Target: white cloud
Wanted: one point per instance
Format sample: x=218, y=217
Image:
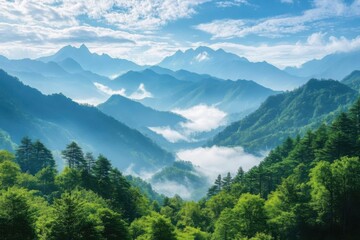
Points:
x=202, y=118
x=287, y=1
x=169, y=134
x=202, y=57
x=125, y=14
x=215, y=160
x=122, y=28
x=109, y=91
x=233, y=3
x=281, y=55
x=280, y=25
x=141, y=93
x=170, y=188
x=90, y=101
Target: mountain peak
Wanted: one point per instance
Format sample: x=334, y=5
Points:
x=83, y=46
x=204, y=49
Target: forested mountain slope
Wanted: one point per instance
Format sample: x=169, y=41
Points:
x=288, y=114
x=57, y=120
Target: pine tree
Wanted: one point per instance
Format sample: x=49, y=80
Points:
x=226, y=182
x=74, y=156
x=239, y=178
x=42, y=157
x=24, y=154
x=218, y=183
x=101, y=171
x=90, y=161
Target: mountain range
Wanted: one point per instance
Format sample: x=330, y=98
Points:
x=101, y=64
x=288, y=114
x=67, y=77
x=189, y=89
x=334, y=66
x=56, y=120
x=222, y=64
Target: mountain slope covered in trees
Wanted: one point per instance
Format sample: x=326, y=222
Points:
x=56, y=120
x=353, y=80
x=306, y=188
x=288, y=114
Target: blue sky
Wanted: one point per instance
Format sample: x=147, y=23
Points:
x=282, y=32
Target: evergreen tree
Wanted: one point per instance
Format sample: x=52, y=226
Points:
x=16, y=217
x=239, y=178
x=90, y=161
x=74, y=156
x=162, y=229
x=218, y=183
x=341, y=141
x=71, y=221
x=42, y=157
x=226, y=182
x=101, y=171
x=24, y=154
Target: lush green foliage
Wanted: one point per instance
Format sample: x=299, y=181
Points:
x=307, y=188
x=288, y=114
x=353, y=80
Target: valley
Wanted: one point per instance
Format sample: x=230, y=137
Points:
x=179, y=120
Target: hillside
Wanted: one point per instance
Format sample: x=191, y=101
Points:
x=57, y=120
x=288, y=114
x=353, y=80
x=136, y=115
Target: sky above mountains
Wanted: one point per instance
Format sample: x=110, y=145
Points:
x=282, y=32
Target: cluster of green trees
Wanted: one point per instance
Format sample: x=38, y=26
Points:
x=307, y=188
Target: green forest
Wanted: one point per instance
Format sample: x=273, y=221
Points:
x=306, y=188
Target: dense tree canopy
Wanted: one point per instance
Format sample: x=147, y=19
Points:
x=306, y=188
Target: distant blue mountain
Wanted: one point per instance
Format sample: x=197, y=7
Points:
x=136, y=115
x=56, y=120
x=226, y=65
x=335, y=66
x=169, y=92
x=100, y=64
x=65, y=77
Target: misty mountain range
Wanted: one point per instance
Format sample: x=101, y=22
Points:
x=149, y=100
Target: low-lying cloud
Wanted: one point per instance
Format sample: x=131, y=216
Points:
x=170, y=188
x=216, y=160
x=109, y=91
x=169, y=134
x=202, y=118
x=139, y=94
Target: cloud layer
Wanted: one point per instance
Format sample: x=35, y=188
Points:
x=216, y=160
x=200, y=118
x=281, y=25
x=139, y=94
